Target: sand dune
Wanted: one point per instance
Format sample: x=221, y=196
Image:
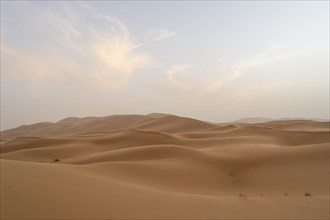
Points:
x=302, y=125
x=164, y=166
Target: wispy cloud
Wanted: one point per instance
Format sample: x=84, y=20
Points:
x=209, y=84
x=77, y=43
x=173, y=75
x=161, y=34
x=22, y=64
x=235, y=71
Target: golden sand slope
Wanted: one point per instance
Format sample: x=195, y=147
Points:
x=164, y=166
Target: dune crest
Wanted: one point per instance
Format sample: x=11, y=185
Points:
x=165, y=166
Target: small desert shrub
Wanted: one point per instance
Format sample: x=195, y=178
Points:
x=285, y=194
x=56, y=160
x=241, y=195
x=308, y=194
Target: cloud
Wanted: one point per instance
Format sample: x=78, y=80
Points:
x=175, y=72
x=71, y=41
x=117, y=59
x=21, y=64
x=161, y=34
x=173, y=75
x=235, y=71
x=209, y=85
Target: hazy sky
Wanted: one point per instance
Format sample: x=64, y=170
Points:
x=212, y=60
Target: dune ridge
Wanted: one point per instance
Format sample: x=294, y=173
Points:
x=164, y=166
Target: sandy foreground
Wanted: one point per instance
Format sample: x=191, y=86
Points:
x=161, y=166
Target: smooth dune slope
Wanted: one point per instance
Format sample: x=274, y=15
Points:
x=161, y=166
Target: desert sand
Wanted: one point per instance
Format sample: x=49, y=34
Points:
x=161, y=166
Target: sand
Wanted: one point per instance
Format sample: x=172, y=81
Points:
x=161, y=166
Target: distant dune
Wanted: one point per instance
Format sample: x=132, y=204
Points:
x=161, y=166
x=254, y=120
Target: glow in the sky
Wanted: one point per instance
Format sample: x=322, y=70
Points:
x=212, y=60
